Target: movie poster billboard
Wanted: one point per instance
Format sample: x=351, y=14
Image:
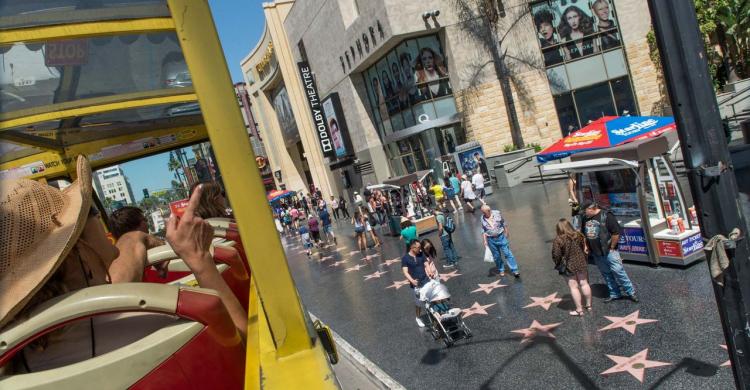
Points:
x=470, y=159
x=569, y=30
x=336, y=121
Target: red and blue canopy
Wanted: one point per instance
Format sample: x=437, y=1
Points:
x=607, y=132
x=278, y=194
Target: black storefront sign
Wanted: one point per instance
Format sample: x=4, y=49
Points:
x=319, y=119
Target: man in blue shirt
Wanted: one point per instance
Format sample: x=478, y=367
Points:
x=418, y=270
x=325, y=218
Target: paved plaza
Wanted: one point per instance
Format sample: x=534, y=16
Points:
x=523, y=335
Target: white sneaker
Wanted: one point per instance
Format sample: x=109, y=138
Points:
x=419, y=322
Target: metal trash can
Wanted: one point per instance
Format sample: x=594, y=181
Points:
x=394, y=222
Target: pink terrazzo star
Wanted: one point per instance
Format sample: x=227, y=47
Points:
x=398, y=284
x=338, y=263
x=476, y=308
x=448, y=276
x=487, y=288
x=326, y=258
x=352, y=253
x=629, y=322
x=391, y=261
x=636, y=365
x=376, y=274
x=537, y=329
x=355, y=268
x=544, y=302
x=727, y=363
x=368, y=257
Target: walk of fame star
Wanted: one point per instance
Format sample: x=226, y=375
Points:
x=629, y=322
x=398, y=284
x=487, y=288
x=338, y=263
x=448, y=276
x=355, y=268
x=352, y=253
x=544, y=302
x=728, y=362
x=376, y=274
x=326, y=258
x=636, y=365
x=537, y=329
x=392, y=261
x=476, y=308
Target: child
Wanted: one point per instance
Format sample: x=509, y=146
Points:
x=569, y=253
x=304, y=232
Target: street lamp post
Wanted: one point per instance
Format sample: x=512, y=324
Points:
x=709, y=166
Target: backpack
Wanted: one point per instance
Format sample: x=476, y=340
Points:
x=450, y=226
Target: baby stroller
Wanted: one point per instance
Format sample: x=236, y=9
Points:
x=445, y=323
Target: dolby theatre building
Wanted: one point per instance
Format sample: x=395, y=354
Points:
x=351, y=92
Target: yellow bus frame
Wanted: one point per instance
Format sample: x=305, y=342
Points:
x=282, y=350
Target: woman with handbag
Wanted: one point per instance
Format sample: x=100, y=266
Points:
x=569, y=253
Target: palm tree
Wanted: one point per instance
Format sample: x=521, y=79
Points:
x=174, y=165
x=489, y=24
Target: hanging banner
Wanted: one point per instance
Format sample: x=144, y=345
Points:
x=334, y=115
x=319, y=119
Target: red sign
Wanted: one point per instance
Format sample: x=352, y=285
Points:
x=69, y=52
x=669, y=248
x=178, y=207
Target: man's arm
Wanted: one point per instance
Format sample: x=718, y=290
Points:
x=411, y=280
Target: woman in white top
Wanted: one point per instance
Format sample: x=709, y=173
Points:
x=467, y=193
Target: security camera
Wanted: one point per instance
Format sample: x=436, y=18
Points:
x=426, y=15
x=435, y=13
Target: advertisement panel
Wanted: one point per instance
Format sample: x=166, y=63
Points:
x=319, y=119
x=633, y=240
x=692, y=244
x=669, y=248
x=336, y=121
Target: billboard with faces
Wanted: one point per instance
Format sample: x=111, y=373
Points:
x=334, y=115
x=571, y=29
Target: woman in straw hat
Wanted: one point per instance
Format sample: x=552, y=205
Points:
x=51, y=243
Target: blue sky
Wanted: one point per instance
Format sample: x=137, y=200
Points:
x=240, y=24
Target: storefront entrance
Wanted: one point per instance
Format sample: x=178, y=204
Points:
x=424, y=150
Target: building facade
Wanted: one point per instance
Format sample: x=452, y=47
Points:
x=111, y=183
x=412, y=83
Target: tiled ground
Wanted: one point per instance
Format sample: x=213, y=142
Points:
x=671, y=339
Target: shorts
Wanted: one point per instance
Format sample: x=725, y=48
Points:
x=451, y=197
x=315, y=235
x=467, y=200
x=327, y=229
x=480, y=193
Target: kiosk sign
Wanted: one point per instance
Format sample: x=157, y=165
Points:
x=633, y=240
x=692, y=244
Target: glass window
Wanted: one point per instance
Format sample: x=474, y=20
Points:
x=558, y=79
x=624, y=99
x=60, y=71
x=445, y=107
x=424, y=112
x=594, y=102
x=38, y=13
x=615, y=62
x=587, y=71
x=566, y=113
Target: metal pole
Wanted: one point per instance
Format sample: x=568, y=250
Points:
x=712, y=182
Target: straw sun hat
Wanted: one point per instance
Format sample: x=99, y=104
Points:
x=39, y=225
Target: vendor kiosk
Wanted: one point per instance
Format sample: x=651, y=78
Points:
x=410, y=207
x=636, y=180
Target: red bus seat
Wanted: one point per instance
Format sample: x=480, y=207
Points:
x=200, y=349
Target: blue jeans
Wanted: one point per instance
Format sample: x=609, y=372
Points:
x=614, y=274
x=448, y=249
x=499, y=245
